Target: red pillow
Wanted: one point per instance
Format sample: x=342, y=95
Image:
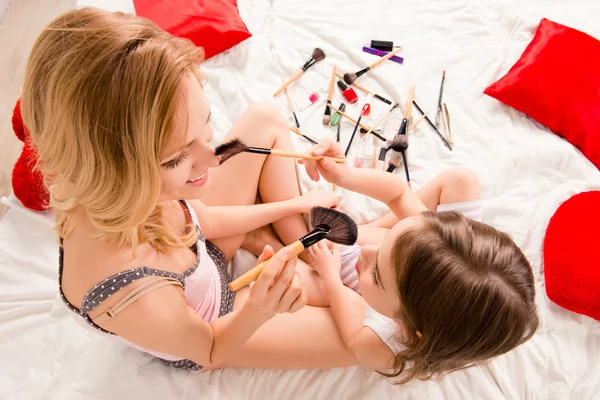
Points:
x=557, y=82
x=572, y=255
x=214, y=25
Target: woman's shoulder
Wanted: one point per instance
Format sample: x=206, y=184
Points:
x=88, y=260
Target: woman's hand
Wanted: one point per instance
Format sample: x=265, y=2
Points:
x=318, y=198
x=278, y=289
x=327, y=168
x=326, y=262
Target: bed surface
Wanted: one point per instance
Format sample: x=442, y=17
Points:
x=526, y=173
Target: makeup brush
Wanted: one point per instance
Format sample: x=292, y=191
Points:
x=443, y=139
x=291, y=105
x=367, y=91
x=385, y=116
x=337, y=140
x=439, y=105
x=337, y=110
x=236, y=146
x=327, y=116
x=362, y=113
x=297, y=132
x=403, y=130
x=328, y=224
x=413, y=126
x=317, y=55
x=349, y=78
x=447, y=125
x=395, y=163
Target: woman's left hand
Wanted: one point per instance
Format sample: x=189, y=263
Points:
x=318, y=198
x=326, y=262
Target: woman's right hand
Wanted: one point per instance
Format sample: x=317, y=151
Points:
x=327, y=168
x=278, y=289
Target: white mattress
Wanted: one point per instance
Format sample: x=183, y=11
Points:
x=526, y=172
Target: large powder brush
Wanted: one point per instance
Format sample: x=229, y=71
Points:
x=327, y=224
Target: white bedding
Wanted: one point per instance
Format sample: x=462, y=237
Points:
x=525, y=171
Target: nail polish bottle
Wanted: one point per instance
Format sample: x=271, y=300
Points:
x=380, y=165
x=348, y=93
x=336, y=117
x=312, y=99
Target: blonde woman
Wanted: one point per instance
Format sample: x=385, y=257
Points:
x=116, y=109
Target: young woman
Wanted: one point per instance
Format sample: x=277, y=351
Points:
x=116, y=109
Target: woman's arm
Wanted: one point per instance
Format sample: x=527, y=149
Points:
x=162, y=321
x=225, y=221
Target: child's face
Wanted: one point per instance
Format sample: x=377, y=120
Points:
x=377, y=278
x=185, y=170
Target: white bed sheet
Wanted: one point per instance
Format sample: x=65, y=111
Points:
x=525, y=171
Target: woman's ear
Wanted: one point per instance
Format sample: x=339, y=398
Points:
x=419, y=334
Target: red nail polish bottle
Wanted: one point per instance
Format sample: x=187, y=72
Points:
x=348, y=93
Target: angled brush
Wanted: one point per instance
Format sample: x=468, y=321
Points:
x=234, y=147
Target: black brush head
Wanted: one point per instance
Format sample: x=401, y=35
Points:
x=400, y=143
x=318, y=54
x=229, y=149
x=350, y=77
x=343, y=228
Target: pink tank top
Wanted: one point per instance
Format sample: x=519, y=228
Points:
x=203, y=284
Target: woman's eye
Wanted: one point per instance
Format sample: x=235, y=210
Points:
x=374, y=276
x=176, y=162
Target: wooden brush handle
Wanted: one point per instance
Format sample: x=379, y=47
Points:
x=332, y=84
x=306, y=156
x=366, y=128
x=296, y=75
x=413, y=126
x=409, y=101
x=289, y=99
x=295, y=248
x=384, y=58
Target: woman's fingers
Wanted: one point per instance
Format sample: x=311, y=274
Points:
x=271, y=270
x=266, y=254
x=283, y=281
x=293, y=296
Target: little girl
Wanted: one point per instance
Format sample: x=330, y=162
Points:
x=443, y=291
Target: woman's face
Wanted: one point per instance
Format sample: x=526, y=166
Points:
x=185, y=171
x=377, y=276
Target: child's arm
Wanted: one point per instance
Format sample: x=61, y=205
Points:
x=225, y=221
x=348, y=309
x=383, y=186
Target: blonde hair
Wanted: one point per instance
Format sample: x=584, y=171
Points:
x=101, y=98
x=467, y=294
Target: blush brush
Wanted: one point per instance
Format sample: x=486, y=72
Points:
x=328, y=224
x=349, y=78
x=317, y=55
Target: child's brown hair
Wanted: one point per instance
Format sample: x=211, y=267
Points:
x=467, y=294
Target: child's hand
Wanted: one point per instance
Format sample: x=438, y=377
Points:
x=326, y=262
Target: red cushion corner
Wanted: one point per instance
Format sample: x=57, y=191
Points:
x=214, y=25
x=556, y=82
x=572, y=255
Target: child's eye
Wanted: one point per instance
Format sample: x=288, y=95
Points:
x=176, y=162
x=374, y=276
